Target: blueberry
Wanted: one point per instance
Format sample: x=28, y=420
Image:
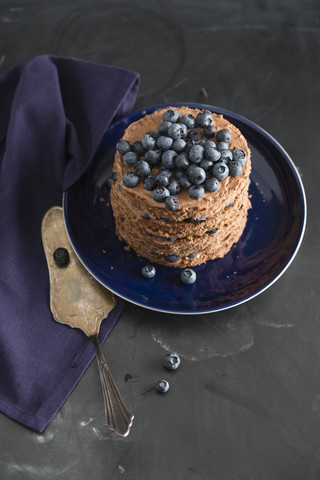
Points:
x=176, y=131
x=130, y=179
x=189, y=144
x=61, y=256
x=149, y=183
x=184, y=181
x=138, y=148
x=171, y=239
x=212, y=154
x=196, y=175
x=174, y=187
x=196, y=153
x=168, y=159
x=229, y=204
x=222, y=146
x=162, y=386
x=163, y=128
x=153, y=134
x=213, y=231
x=164, y=143
x=182, y=161
x=184, y=130
x=194, y=134
x=193, y=255
x=160, y=194
x=114, y=176
x=142, y=168
x=152, y=157
x=166, y=171
x=123, y=147
x=196, y=192
x=148, y=271
x=235, y=168
x=206, y=164
x=209, y=131
x=170, y=116
x=225, y=155
x=212, y=184
x=179, y=173
x=240, y=155
x=179, y=145
x=130, y=159
x=188, y=120
x=220, y=170
x=171, y=258
x=171, y=361
x=188, y=276
x=172, y=203
x=223, y=136
x=148, y=142
x=204, y=119
x=162, y=180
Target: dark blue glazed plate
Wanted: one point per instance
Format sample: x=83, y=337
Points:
x=271, y=239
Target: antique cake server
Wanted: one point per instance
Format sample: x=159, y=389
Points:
x=78, y=300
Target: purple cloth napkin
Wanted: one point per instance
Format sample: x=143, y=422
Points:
x=53, y=114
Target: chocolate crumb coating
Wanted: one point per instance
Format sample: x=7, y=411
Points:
x=200, y=230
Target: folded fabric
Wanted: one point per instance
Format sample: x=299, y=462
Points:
x=54, y=112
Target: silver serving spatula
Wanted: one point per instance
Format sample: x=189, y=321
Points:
x=78, y=300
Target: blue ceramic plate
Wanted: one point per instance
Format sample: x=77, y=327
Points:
x=272, y=237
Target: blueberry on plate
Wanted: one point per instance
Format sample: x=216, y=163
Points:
x=197, y=175
x=188, y=276
x=152, y=157
x=171, y=361
x=148, y=271
x=212, y=184
x=163, y=128
x=162, y=386
x=209, y=131
x=61, y=256
x=176, y=131
x=142, y=168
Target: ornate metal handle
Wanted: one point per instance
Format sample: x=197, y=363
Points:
x=117, y=416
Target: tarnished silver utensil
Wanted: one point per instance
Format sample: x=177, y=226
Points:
x=78, y=300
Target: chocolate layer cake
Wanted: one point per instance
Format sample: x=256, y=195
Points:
x=179, y=192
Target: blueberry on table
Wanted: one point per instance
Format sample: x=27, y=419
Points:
x=171, y=361
x=148, y=271
x=188, y=276
x=61, y=256
x=162, y=386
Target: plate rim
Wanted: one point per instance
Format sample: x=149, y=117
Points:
x=146, y=110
